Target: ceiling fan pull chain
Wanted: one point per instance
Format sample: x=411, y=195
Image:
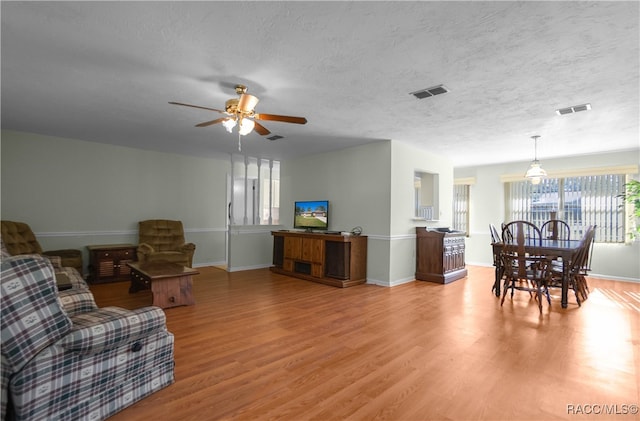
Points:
x=239, y=144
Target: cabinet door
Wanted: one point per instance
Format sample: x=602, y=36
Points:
x=338, y=260
x=124, y=257
x=292, y=248
x=106, y=268
x=312, y=250
x=106, y=264
x=278, y=251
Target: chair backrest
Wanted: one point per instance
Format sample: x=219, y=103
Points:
x=495, y=236
x=516, y=232
x=587, y=241
x=32, y=315
x=535, y=265
x=161, y=234
x=556, y=229
x=19, y=239
x=580, y=258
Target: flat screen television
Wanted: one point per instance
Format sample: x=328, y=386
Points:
x=311, y=215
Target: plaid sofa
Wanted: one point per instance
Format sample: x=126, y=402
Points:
x=63, y=358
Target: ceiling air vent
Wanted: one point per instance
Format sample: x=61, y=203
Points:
x=426, y=93
x=574, y=109
x=275, y=137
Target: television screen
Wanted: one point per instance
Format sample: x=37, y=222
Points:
x=311, y=215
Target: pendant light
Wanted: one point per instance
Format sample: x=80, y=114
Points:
x=535, y=173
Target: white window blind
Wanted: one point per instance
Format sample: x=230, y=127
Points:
x=580, y=201
x=461, y=208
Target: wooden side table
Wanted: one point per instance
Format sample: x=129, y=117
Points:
x=108, y=262
x=170, y=283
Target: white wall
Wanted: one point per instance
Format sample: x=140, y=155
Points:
x=251, y=247
x=370, y=186
x=405, y=160
x=75, y=193
x=615, y=261
x=357, y=184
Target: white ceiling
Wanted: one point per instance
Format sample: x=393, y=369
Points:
x=105, y=71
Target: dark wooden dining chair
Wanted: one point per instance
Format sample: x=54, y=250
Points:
x=495, y=236
x=531, y=273
x=587, y=267
x=556, y=229
x=579, y=266
x=517, y=232
x=582, y=267
x=502, y=232
x=520, y=268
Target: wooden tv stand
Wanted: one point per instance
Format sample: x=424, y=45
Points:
x=331, y=259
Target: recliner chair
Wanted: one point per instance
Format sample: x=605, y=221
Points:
x=19, y=239
x=63, y=358
x=163, y=240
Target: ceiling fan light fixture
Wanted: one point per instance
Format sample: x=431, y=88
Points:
x=246, y=126
x=229, y=124
x=239, y=112
x=247, y=103
x=231, y=106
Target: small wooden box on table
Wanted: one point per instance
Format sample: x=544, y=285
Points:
x=170, y=283
x=108, y=262
x=331, y=259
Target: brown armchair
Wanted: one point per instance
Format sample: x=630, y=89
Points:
x=18, y=238
x=161, y=239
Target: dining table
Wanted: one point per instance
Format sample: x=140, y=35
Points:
x=558, y=249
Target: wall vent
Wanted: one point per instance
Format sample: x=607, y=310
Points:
x=574, y=109
x=275, y=137
x=426, y=93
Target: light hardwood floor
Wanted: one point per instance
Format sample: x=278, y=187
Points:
x=260, y=346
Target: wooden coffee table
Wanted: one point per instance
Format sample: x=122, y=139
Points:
x=170, y=283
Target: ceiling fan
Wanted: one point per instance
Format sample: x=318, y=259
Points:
x=240, y=111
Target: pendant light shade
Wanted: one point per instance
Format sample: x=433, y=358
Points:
x=246, y=126
x=535, y=172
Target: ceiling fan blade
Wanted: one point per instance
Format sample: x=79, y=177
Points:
x=195, y=106
x=247, y=103
x=262, y=131
x=283, y=118
x=212, y=122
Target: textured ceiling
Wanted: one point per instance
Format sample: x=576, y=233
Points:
x=105, y=71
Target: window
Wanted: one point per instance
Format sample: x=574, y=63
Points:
x=256, y=191
x=580, y=201
x=426, y=195
x=461, y=208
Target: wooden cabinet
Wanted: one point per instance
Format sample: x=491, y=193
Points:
x=108, y=262
x=439, y=255
x=326, y=258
